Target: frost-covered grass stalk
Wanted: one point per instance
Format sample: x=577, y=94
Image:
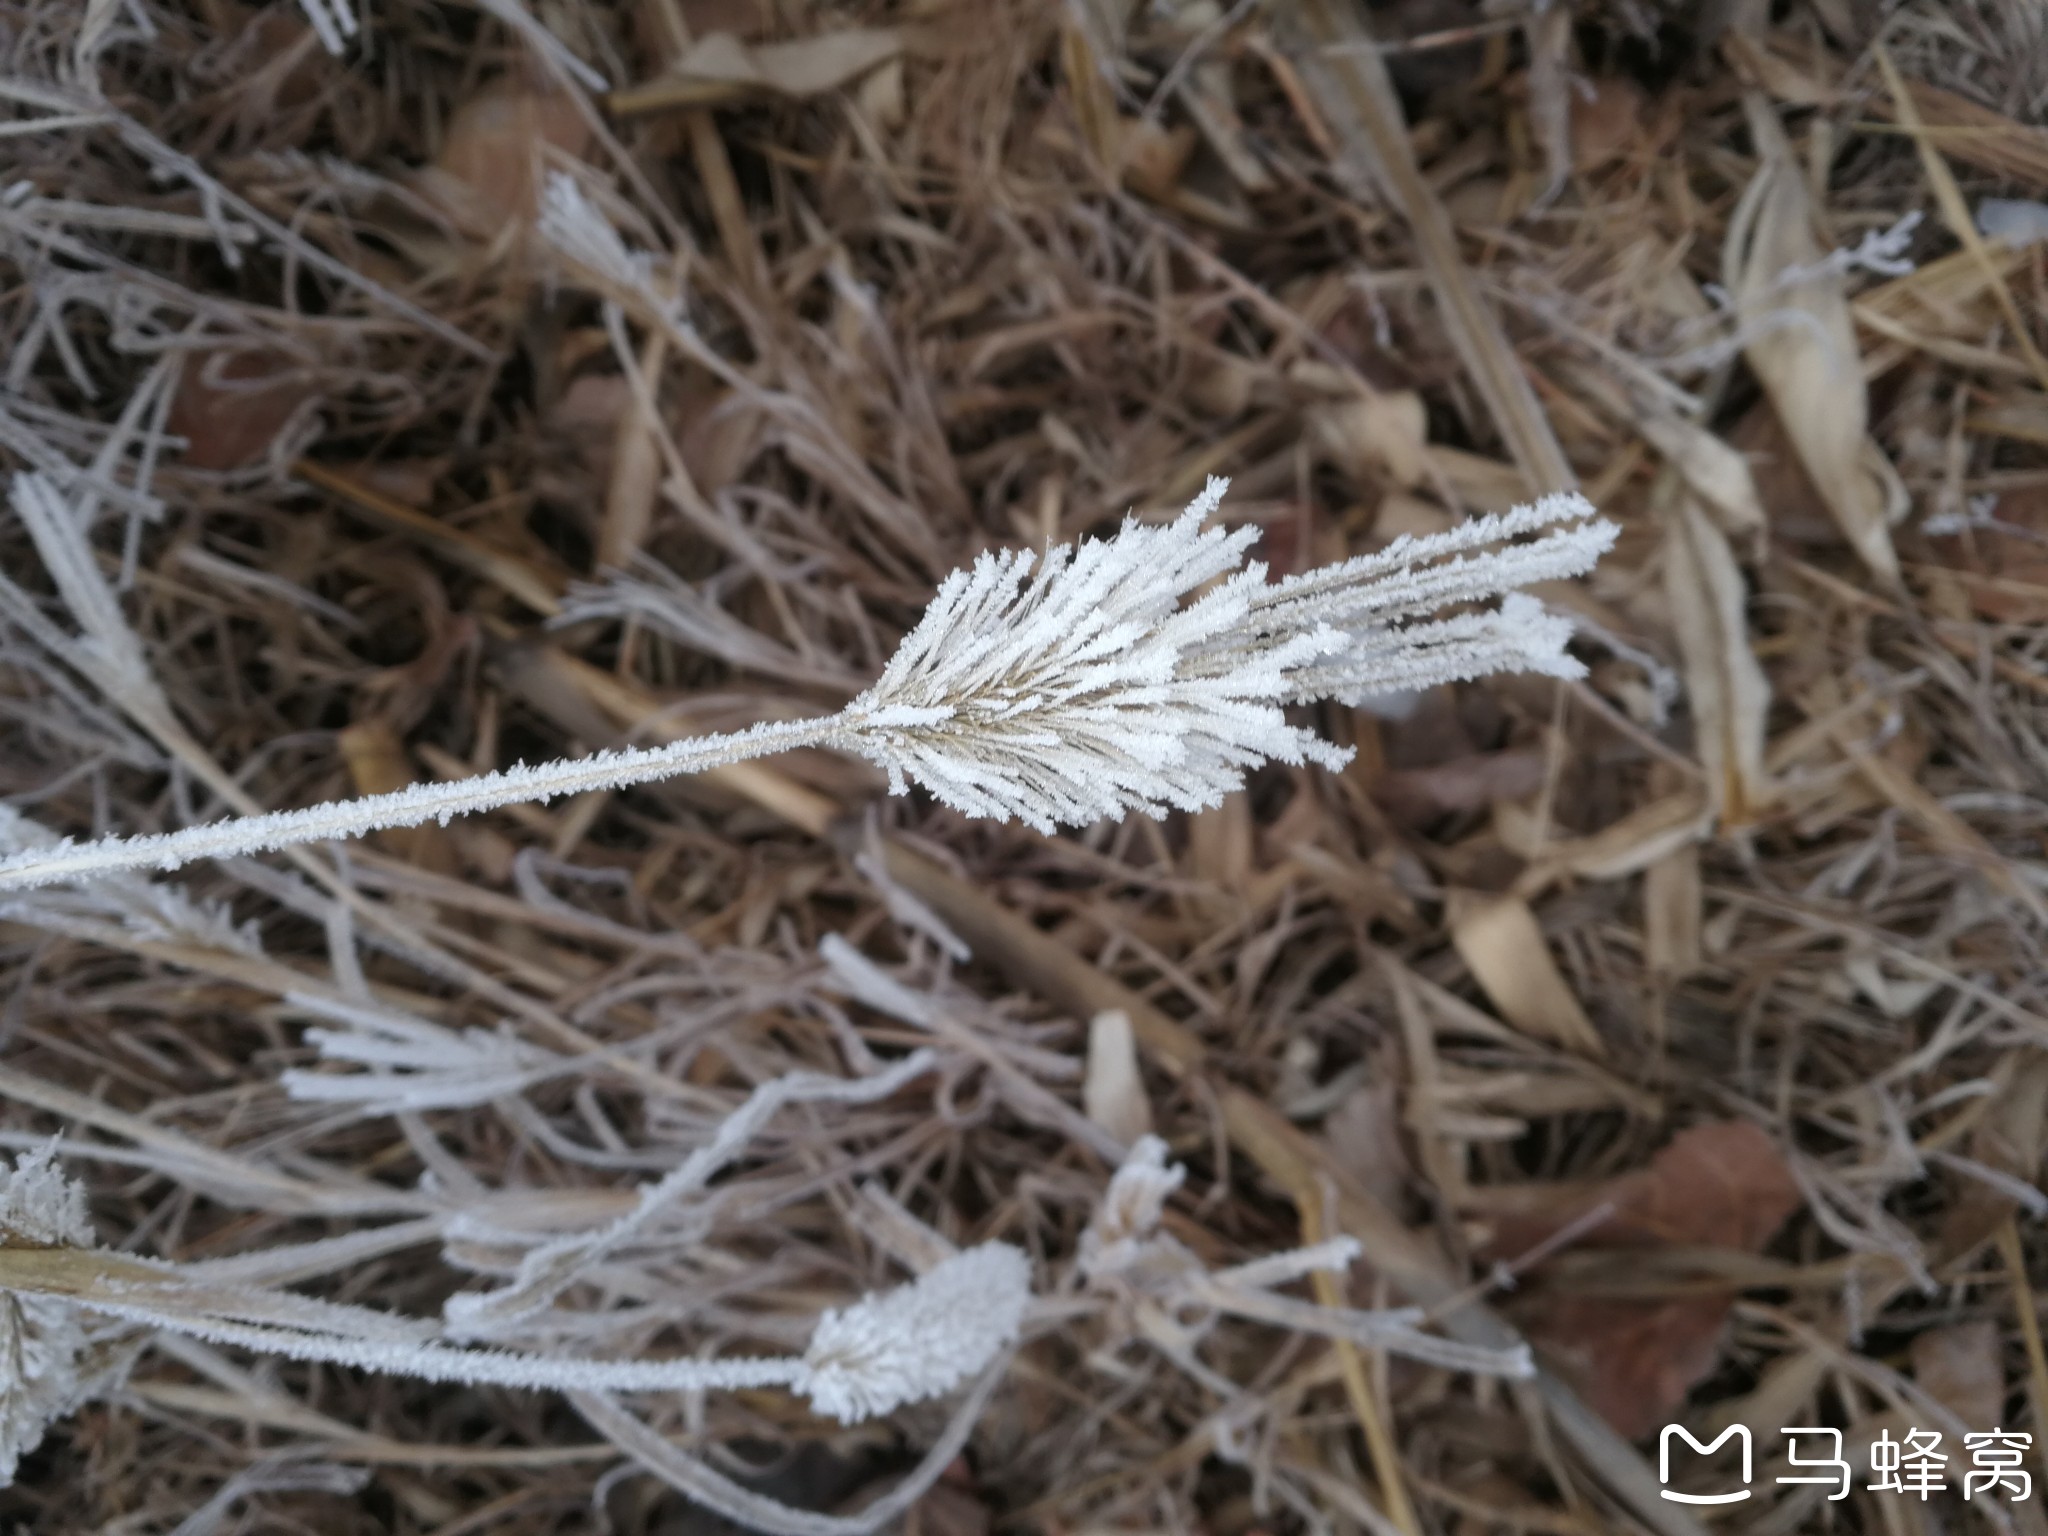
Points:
x=1142, y=672
x=63, y=1302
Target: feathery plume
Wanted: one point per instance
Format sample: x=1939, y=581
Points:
x=1066, y=696
x=1099, y=680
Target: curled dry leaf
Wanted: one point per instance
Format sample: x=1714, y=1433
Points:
x=1723, y=1184
x=231, y=406
x=488, y=173
x=1499, y=938
x=1726, y=686
x=1801, y=342
x=1384, y=434
x=1716, y=471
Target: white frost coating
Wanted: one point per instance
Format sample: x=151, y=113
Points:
x=920, y=1340
x=1384, y=603
x=898, y=1347
x=333, y=22
x=547, y=1270
x=107, y=652
x=149, y=909
x=404, y=808
x=1123, y=1252
x=1121, y=1233
x=414, y=1065
x=1087, y=689
x=47, y=1349
x=573, y=225
x=1084, y=685
x=2016, y=221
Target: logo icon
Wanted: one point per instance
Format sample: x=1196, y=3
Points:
x=1740, y=1431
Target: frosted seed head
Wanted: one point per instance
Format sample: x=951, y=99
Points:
x=1070, y=689
x=920, y=1340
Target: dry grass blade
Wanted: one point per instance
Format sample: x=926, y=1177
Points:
x=1955, y=212
x=1339, y=62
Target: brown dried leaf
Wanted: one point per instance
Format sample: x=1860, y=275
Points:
x=1801, y=343
x=1364, y=1136
x=1471, y=781
x=1632, y=1361
x=1722, y=1184
x=489, y=170
x=1386, y=434
x=231, y=406
x=2006, y=567
x=1500, y=940
x=1607, y=122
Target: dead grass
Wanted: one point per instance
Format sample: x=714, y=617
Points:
x=1688, y=1022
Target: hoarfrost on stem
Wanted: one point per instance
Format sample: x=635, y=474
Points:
x=54, y=1359
x=1142, y=672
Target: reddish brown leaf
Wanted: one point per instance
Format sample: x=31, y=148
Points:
x=230, y=406
x=1632, y=1361
x=1718, y=1185
x=1607, y=122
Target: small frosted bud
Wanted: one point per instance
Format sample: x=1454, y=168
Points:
x=920, y=1340
x=1138, y=1192
x=1121, y=1237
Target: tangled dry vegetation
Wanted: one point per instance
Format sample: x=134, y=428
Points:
x=1681, y=1021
